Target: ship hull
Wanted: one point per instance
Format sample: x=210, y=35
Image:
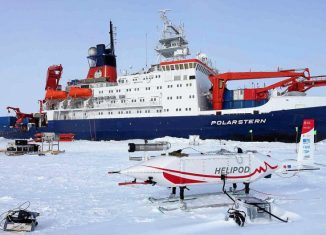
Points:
x=282, y=126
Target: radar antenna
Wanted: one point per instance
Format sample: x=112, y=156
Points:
x=166, y=21
x=173, y=44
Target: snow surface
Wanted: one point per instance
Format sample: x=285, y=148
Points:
x=75, y=195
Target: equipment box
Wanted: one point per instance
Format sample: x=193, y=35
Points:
x=257, y=208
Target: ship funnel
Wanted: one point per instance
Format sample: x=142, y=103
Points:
x=102, y=60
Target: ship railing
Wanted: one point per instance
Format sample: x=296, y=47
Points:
x=142, y=104
x=113, y=105
x=128, y=105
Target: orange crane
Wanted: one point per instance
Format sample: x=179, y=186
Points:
x=219, y=82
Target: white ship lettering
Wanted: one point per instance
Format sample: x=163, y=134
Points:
x=238, y=122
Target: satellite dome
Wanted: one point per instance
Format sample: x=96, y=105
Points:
x=92, y=51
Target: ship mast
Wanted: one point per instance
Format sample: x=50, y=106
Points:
x=111, y=38
x=173, y=44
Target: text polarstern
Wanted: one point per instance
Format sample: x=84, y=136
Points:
x=238, y=122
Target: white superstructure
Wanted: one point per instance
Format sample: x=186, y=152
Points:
x=176, y=86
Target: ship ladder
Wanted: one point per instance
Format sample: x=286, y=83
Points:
x=90, y=129
x=92, y=135
x=94, y=131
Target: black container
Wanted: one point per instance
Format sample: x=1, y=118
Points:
x=36, y=147
x=21, y=142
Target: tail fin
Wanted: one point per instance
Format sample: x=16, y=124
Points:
x=307, y=143
x=305, y=159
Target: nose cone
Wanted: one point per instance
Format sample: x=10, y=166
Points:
x=141, y=172
x=134, y=171
x=153, y=169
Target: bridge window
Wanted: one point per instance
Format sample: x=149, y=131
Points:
x=177, y=78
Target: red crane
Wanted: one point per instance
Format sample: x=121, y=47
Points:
x=53, y=77
x=219, y=82
x=315, y=81
x=20, y=116
x=52, y=84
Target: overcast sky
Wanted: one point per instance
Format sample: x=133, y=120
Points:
x=236, y=35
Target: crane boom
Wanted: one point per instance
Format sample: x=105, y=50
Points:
x=219, y=82
x=262, y=75
x=53, y=77
x=315, y=81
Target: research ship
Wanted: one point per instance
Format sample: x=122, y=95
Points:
x=178, y=97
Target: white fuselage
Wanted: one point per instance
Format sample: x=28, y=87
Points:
x=208, y=169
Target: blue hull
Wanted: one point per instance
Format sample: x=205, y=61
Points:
x=273, y=126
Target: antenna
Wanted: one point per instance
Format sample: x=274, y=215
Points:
x=146, y=50
x=163, y=15
x=166, y=21
x=173, y=44
x=111, y=38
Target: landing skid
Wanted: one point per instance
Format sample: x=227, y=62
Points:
x=184, y=204
x=170, y=200
x=191, y=197
x=185, y=207
x=183, y=199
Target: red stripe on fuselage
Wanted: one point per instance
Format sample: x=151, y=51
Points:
x=257, y=170
x=180, y=180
